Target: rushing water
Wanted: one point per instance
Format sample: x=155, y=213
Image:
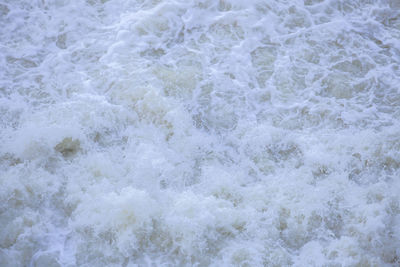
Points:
x=199, y=133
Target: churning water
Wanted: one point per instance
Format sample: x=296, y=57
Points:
x=199, y=133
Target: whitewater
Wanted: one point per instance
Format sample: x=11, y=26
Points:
x=199, y=133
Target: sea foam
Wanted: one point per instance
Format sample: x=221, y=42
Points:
x=199, y=133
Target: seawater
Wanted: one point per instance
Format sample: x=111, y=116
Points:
x=199, y=133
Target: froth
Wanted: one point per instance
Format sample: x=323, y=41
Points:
x=206, y=133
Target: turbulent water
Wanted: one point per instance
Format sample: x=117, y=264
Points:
x=199, y=133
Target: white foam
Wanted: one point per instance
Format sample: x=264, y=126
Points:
x=206, y=133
